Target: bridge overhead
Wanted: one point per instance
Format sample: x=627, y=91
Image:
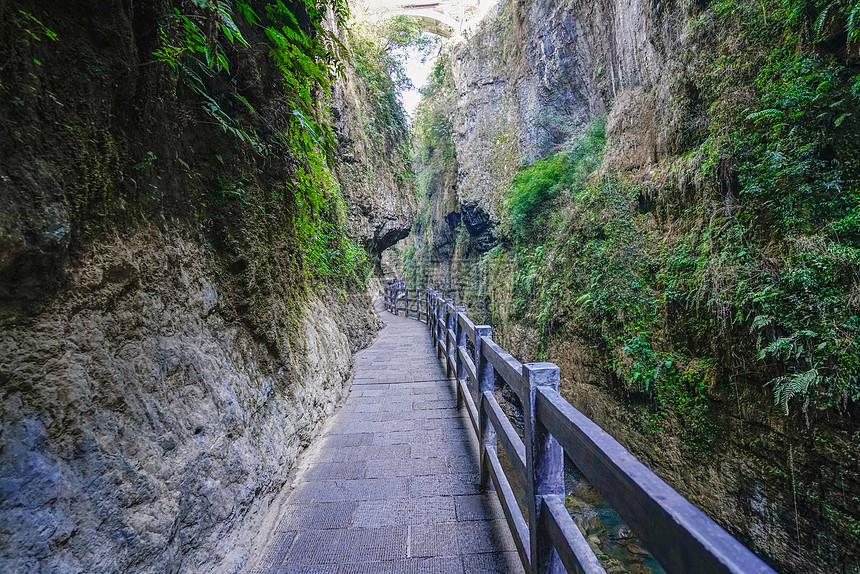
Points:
x=434, y=22
x=444, y=18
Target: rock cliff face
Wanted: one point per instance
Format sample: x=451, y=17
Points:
x=523, y=85
x=165, y=353
x=527, y=79
x=525, y=82
x=145, y=431
x=373, y=134
x=381, y=210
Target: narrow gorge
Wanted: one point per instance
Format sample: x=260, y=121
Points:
x=200, y=199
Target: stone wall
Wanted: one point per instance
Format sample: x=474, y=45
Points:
x=142, y=430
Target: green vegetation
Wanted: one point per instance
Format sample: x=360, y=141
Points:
x=794, y=240
x=198, y=48
x=435, y=163
x=543, y=181
x=196, y=58
x=756, y=278
x=146, y=162
x=323, y=243
x=379, y=55
x=585, y=263
x=201, y=48
x=432, y=129
x=34, y=28
x=379, y=59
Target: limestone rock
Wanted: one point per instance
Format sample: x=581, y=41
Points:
x=145, y=433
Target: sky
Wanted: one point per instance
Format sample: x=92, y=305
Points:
x=418, y=72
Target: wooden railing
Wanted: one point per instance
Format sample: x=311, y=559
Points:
x=397, y=300
x=679, y=535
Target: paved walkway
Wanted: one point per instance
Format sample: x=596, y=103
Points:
x=393, y=486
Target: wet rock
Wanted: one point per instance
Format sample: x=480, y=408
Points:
x=595, y=544
x=476, y=219
x=634, y=548
x=453, y=219
x=613, y=566
x=624, y=533
x=589, y=522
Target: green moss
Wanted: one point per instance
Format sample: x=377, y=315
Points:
x=794, y=151
x=542, y=182
x=758, y=277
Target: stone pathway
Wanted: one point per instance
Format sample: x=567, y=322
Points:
x=393, y=486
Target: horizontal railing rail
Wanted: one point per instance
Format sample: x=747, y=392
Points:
x=679, y=535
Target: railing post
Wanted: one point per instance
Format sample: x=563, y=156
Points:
x=405, y=301
x=444, y=333
x=431, y=299
x=544, y=468
x=460, y=334
x=449, y=326
x=438, y=324
x=486, y=382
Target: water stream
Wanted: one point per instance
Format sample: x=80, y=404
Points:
x=618, y=548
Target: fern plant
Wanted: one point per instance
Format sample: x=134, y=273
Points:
x=307, y=55
x=787, y=387
x=198, y=56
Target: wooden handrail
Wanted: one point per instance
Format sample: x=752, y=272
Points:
x=575, y=553
x=653, y=509
x=679, y=535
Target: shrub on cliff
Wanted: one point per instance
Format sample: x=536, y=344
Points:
x=565, y=171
